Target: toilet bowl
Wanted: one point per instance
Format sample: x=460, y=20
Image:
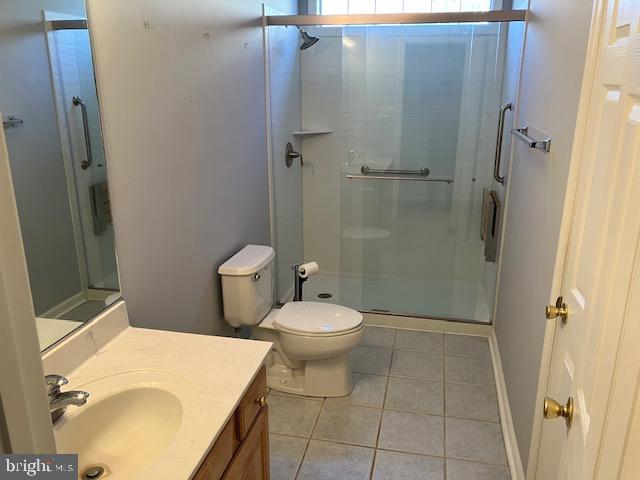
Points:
x=311, y=340
x=310, y=352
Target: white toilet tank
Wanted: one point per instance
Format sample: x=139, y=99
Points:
x=247, y=285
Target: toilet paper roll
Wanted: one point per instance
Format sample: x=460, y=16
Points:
x=307, y=269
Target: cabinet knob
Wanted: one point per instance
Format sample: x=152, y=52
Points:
x=262, y=401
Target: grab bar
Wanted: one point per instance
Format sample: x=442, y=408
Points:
x=84, y=164
x=522, y=134
x=387, y=177
x=498, y=158
x=366, y=170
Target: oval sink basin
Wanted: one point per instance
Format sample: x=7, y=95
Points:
x=129, y=420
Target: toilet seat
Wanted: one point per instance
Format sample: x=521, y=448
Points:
x=315, y=334
x=317, y=319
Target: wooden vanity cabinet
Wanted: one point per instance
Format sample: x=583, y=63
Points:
x=251, y=461
x=241, y=452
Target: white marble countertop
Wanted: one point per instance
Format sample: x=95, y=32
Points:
x=50, y=330
x=220, y=369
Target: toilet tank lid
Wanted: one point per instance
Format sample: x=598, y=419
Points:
x=248, y=260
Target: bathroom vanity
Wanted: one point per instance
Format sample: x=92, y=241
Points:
x=242, y=449
x=162, y=405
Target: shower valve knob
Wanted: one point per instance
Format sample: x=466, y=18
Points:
x=290, y=155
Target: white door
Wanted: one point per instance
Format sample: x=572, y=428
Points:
x=603, y=245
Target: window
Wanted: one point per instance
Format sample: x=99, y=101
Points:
x=342, y=7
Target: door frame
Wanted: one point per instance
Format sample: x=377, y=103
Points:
x=24, y=412
x=586, y=91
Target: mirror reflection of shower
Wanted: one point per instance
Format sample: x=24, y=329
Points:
x=307, y=40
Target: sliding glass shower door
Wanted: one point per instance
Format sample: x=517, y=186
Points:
x=400, y=132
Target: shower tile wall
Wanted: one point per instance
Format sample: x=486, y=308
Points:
x=355, y=82
x=323, y=108
x=284, y=72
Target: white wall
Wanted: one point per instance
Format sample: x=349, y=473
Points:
x=35, y=150
x=553, y=62
x=183, y=108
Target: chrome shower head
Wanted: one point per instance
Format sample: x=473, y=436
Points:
x=307, y=40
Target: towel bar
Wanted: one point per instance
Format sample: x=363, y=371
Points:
x=388, y=177
x=11, y=122
x=522, y=134
x=366, y=170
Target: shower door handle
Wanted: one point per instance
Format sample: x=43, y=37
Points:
x=498, y=158
x=84, y=164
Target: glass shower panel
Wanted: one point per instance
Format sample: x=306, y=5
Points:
x=283, y=49
x=102, y=252
x=83, y=153
x=393, y=197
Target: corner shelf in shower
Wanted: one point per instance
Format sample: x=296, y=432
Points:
x=306, y=133
x=364, y=233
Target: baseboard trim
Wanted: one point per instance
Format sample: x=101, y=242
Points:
x=426, y=324
x=64, y=306
x=508, y=431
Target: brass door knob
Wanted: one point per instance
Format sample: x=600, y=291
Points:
x=553, y=409
x=559, y=310
x=262, y=401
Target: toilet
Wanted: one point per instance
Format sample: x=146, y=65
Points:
x=311, y=340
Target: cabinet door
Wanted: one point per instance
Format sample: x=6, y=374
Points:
x=251, y=461
x=252, y=402
x=220, y=455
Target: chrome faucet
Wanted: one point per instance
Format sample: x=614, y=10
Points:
x=59, y=401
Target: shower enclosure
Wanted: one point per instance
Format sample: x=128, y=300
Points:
x=74, y=86
x=395, y=118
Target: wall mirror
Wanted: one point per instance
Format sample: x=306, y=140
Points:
x=51, y=122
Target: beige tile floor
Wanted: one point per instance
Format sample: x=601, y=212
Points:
x=424, y=407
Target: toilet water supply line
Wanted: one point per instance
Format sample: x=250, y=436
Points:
x=301, y=273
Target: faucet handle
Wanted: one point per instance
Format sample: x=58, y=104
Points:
x=53, y=384
x=62, y=401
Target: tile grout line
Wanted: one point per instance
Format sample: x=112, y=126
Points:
x=388, y=376
x=419, y=454
x=384, y=400
x=306, y=448
x=432, y=351
x=444, y=406
x=440, y=381
x=441, y=457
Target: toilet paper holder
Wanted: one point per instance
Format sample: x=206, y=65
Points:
x=302, y=271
